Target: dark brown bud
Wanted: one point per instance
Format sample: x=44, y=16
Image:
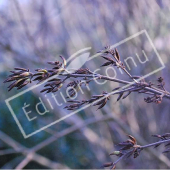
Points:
x=108, y=164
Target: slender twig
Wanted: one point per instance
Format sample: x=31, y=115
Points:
x=156, y=143
x=25, y=161
x=130, y=148
x=10, y=151
x=119, y=159
x=102, y=77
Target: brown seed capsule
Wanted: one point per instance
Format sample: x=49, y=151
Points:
x=64, y=61
x=25, y=74
x=108, y=164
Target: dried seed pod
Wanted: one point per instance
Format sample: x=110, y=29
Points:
x=133, y=139
x=54, y=79
x=71, y=101
x=167, y=144
x=53, y=62
x=99, y=102
x=25, y=74
x=160, y=79
x=157, y=145
x=24, y=84
x=82, y=71
x=117, y=54
x=166, y=151
x=166, y=135
x=126, y=95
x=130, y=154
x=64, y=61
x=42, y=70
x=11, y=86
x=108, y=58
x=117, y=88
x=103, y=104
x=108, y=164
x=106, y=64
x=9, y=79
x=136, y=153
x=19, y=68
x=119, y=97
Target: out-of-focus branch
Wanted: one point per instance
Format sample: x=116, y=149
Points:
x=23, y=163
x=17, y=54
x=25, y=26
x=71, y=130
x=30, y=153
x=25, y=151
x=10, y=151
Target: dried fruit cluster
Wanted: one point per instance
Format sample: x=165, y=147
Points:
x=130, y=147
x=20, y=77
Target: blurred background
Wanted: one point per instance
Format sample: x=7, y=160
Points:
x=34, y=32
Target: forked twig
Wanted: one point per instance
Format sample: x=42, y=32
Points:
x=130, y=147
